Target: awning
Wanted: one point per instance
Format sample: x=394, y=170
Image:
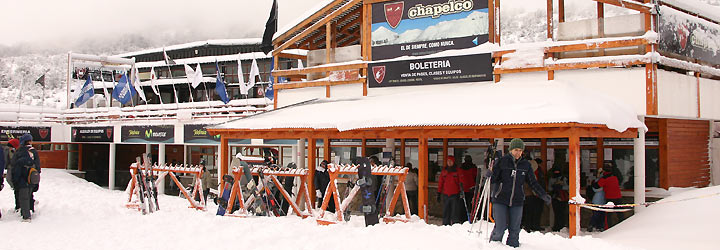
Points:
x=457, y=105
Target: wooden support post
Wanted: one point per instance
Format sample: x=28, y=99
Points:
x=423, y=169
x=445, y=153
x=561, y=11
x=491, y=15
x=326, y=149
x=697, y=79
x=651, y=97
x=402, y=152
x=601, y=24
x=224, y=156
x=550, y=24
x=543, y=157
x=363, y=148
x=275, y=92
x=600, y=156
x=574, y=167
x=498, y=30
x=311, y=169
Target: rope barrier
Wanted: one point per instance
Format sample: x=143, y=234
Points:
x=629, y=206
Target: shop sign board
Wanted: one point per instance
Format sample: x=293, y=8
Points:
x=197, y=133
x=148, y=134
x=422, y=27
x=688, y=36
x=454, y=69
x=40, y=134
x=92, y=134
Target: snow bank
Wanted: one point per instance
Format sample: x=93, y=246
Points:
x=73, y=214
x=676, y=224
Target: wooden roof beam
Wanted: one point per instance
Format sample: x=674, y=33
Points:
x=317, y=25
x=307, y=21
x=318, y=69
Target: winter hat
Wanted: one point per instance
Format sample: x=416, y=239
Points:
x=450, y=157
x=607, y=166
x=14, y=142
x=25, y=138
x=517, y=143
x=468, y=159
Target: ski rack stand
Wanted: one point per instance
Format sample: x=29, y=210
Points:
x=332, y=191
x=171, y=170
x=270, y=175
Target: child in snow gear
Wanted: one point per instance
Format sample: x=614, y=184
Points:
x=610, y=184
x=508, y=176
x=25, y=163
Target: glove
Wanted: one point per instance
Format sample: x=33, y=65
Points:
x=439, y=197
x=547, y=199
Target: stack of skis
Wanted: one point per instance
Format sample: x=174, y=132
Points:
x=146, y=190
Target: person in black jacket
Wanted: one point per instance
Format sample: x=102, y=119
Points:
x=508, y=175
x=25, y=158
x=322, y=179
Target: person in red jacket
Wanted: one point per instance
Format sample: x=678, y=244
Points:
x=468, y=173
x=610, y=184
x=449, y=192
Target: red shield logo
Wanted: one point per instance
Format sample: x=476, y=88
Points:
x=394, y=13
x=109, y=133
x=75, y=133
x=43, y=133
x=379, y=73
x=682, y=32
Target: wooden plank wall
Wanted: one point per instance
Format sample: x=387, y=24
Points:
x=684, y=154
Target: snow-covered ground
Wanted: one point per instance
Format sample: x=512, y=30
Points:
x=74, y=214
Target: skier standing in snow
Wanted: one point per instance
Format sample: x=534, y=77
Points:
x=25, y=158
x=411, y=187
x=468, y=172
x=449, y=192
x=610, y=184
x=508, y=175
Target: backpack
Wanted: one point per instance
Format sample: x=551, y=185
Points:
x=33, y=176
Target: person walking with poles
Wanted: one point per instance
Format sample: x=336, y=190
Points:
x=508, y=175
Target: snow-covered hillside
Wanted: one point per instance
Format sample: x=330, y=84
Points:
x=74, y=214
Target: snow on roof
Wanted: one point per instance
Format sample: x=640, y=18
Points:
x=700, y=8
x=224, y=58
x=219, y=42
x=301, y=18
x=521, y=103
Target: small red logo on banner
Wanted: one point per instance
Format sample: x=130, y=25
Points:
x=109, y=133
x=43, y=133
x=394, y=13
x=379, y=73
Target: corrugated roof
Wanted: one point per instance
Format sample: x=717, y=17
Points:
x=471, y=104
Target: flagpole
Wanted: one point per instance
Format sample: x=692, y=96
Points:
x=172, y=82
x=22, y=84
x=108, y=99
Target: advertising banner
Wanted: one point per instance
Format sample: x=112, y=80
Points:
x=456, y=69
x=422, y=27
x=40, y=134
x=688, y=36
x=92, y=134
x=197, y=133
x=148, y=134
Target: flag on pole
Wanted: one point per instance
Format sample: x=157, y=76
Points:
x=41, y=80
x=254, y=71
x=153, y=84
x=270, y=29
x=241, y=77
x=194, y=77
x=300, y=64
x=136, y=83
x=123, y=91
x=168, y=60
x=220, y=85
x=86, y=92
x=269, y=92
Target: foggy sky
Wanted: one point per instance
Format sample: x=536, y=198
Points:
x=67, y=21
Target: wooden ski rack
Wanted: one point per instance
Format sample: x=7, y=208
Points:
x=270, y=175
x=163, y=170
x=332, y=191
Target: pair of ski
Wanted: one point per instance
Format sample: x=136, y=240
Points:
x=146, y=189
x=481, y=200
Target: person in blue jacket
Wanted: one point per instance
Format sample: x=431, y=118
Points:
x=25, y=156
x=508, y=175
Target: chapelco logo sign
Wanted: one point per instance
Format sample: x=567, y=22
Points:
x=379, y=73
x=439, y=9
x=92, y=134
x=394, y=13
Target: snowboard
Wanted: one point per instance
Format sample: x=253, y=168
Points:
x=252, y=190
x=368, y=187
x=225, y=197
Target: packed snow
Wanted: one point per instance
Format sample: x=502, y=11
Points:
x=74, y=214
